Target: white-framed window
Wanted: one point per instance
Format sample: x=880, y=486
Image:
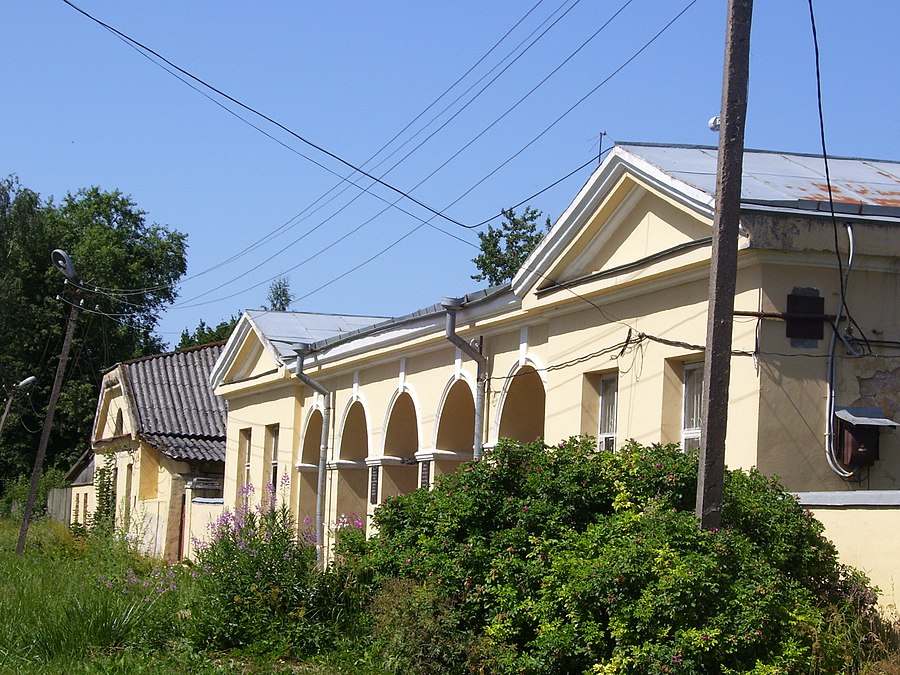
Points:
x=693, y=404
x=609, y=395
x=244, y=476
x=272, y=454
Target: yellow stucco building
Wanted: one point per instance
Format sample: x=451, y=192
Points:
x=159, y=435
x=601, y=332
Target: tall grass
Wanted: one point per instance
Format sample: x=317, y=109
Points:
x=69, y=597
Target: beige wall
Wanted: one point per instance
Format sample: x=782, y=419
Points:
x=149, y=495
x=865, y=539
x=560, y=341
x=200, y=515
x=83, y=504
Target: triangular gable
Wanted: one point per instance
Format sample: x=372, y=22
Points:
x=627, y=211
x=115, y=415
x=248, y=353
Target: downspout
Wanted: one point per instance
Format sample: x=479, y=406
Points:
x=452, y=305
x=301, y=350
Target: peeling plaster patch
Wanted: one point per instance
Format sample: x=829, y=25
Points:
x=769, y=232
x=881, y=389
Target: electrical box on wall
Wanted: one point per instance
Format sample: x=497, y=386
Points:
x=806, y=315
x=858, y=434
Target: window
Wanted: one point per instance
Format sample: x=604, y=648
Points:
x=272, y=454
x=77, y=505
x=84, y=510
x=609, y=393
x=693, y=404
x=243, y=469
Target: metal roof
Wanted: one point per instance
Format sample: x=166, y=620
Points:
x=283, y=329
x=866, y=186
x=174, y=405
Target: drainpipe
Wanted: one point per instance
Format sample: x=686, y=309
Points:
x=302, y=350
x=452, y=305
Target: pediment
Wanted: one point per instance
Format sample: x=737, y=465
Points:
x=114, y=417
x=247, y=355
x=619, y=221
x=643, y=225
x=251, y=359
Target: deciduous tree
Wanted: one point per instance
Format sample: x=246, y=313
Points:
x=129, y=270
x=504, y=248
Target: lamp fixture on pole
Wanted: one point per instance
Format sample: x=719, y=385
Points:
x=24, y=384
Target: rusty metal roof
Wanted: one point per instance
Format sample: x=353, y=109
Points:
x=174, y=405
x=783, y=179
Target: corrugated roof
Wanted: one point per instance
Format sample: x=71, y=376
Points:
x=786, y=179
x=174, y=404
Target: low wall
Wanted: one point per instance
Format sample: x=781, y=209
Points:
x=201, y=512
x=864, y=527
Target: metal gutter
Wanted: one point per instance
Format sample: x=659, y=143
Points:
x=302, y=350
x=451, y=306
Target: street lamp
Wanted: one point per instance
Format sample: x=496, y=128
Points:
x=24, y=384
x=64, y=264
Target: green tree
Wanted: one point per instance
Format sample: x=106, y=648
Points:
x=129, y=269
x=204, y=334
x=280, y=297
x=504, y=248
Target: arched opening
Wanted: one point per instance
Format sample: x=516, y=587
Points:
x=351, y=478
x=522, y=417
x=401, y=441
x=308, y=483
x=456, y=428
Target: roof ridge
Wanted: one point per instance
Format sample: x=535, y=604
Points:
x=714, y=148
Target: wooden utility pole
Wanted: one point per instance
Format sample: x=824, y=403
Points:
x=723, y=265
x=48, y=423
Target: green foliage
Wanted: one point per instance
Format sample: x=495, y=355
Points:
x=69, y=597
x=504, y=248
x=15, y=493
x=103, y=519
x=258, y=587
x=279, y=298
x=113, y=247
x=568, y=560
x=204, y=334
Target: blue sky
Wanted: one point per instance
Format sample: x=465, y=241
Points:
x=82, y=108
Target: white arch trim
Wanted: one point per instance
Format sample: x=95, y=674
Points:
x=317, y=408
x=462, y=375
x=529, y=360
x=339, y=435
x=405, y=389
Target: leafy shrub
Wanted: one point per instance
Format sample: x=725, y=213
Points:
x=258, y=588
x=567, y=560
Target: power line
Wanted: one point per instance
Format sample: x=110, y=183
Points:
x=262, y=115
x=637, y=53
x=288, y=224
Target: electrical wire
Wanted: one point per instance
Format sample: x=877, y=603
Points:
x=409, y=233
x=643, y=48
x=262, y=115
x=830, y=454
x=300, y=216
x=394, y=204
